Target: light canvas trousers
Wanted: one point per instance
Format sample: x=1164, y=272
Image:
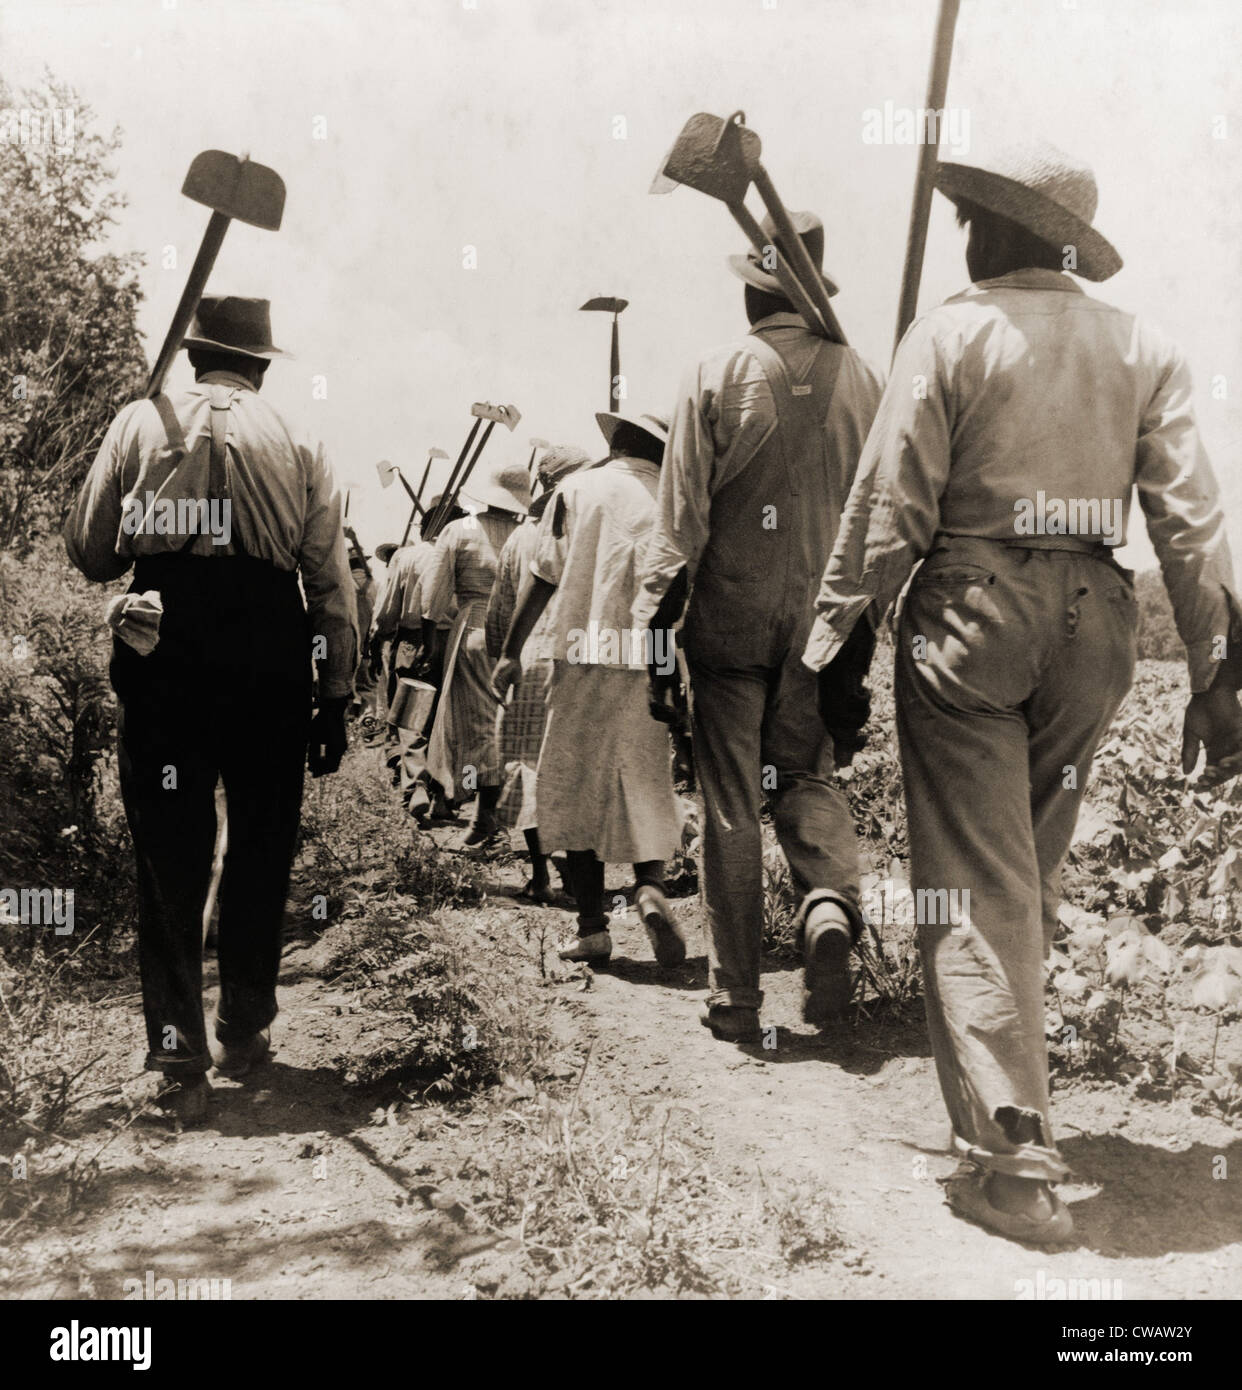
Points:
x=1011, y=662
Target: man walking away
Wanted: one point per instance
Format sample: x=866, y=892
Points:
x=604, y=785
x=1015, y=645
x=212, y=664
x=762, y=451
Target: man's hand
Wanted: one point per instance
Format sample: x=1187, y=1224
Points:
x=375, y=662
x=506, y=675
x=327, y=738
x=844, y=700
x=1213, y=721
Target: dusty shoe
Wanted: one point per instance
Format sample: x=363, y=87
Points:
x=595, y=949
x=237, y=1059
x=484, y=831
x=184, y=1098
x=663, y=930
x=1046, y=1221
x=827, y=985
x=419, y=804
x=730, y=1023
x=534, y=892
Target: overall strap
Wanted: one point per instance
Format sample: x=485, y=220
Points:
x=800, y=403
x=218, y=475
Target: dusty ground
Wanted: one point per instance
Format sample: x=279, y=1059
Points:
x=300, y=1187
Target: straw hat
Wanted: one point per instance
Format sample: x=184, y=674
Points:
x=229, y=323
x=608, y=420
x=385, y=551
x=810, y=232
x=506, y=488
x=1042, y=189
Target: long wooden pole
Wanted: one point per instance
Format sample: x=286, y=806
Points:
x=920, y=210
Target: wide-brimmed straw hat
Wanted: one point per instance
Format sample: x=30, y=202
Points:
x=608, y=420
x=506, y=488
x=385, y=551
x=229, y=323
x=811, y=233
x=1044, y=190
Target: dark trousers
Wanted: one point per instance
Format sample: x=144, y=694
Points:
x=182, y=724
x=585, y=876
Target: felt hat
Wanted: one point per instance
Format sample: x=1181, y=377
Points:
x=229, y=323
x=811, y=232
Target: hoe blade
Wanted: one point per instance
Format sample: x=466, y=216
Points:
x=237, y=188
x=713, y=156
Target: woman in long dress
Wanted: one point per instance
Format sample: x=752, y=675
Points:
x=463, y=755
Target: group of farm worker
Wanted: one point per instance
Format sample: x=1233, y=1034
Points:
x=763, y=533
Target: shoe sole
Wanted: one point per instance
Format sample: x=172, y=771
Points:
x=828, y=985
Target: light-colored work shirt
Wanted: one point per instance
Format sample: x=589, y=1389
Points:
x=591, y=544
x=726, y=410
x=401, y=603
x=464, y=564
x=1017, y=387
x=284, y=504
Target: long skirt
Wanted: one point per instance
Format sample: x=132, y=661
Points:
x=520, y=726
x=604, y=780
x=462, y=754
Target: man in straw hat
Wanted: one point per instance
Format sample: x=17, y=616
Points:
x=217, y=680
x=604, y=785
x=462, y=755
x=763, y=447
x=1020, y=415
x=520, y=723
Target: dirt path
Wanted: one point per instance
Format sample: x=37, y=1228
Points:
x=300, y=1187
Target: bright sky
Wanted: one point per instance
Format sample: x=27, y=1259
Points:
x=495, y=124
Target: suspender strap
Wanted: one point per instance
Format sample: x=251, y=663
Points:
x=805, y=407
x=218, y=475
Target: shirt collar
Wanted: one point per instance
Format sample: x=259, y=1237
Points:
x=1033, y=278
x=781, y=320
x=632, y=465
x=225, y=379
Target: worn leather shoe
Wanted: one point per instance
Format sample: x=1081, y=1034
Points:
x=237, y=1059
x=730, y=1023
x=663, y=930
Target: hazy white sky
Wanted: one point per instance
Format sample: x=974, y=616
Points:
x=494, y=125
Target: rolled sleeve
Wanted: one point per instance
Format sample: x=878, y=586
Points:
x=1181, y=503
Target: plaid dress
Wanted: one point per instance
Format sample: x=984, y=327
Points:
x=520, y=723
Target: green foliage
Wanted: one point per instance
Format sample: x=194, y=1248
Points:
x=61, y=821
x=1157, y=635
x=70, y=354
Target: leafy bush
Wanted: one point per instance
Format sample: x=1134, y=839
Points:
x=1157, y=635
x=61, y=819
